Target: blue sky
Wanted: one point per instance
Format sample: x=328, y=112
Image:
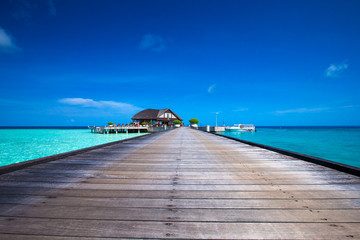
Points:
x=272, y=63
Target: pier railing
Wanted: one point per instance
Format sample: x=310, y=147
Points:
x=128, y=129
x=123, y=129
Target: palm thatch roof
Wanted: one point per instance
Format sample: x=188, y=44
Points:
x=154, y=114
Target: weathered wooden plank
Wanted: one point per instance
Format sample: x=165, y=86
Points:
x=181, y=160
x=101, y=193
x=169, y=181
x=184, y=175
x=184, y=230
x=244, y=168
x=39, y=237
x=161, y=160
x=181, y=215
x=187, y=203
x=197, y=176
x=308, y=171
x=247, y=187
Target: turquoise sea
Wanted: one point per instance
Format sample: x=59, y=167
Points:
x=338, y=144
x=18, y=145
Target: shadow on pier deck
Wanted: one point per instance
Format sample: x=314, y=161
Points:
x=184, y=184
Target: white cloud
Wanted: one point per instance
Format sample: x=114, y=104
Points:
x=152, y=42
x=240, y=109
x=211, y=89
x=350, y=106
x=301, y=110
x=86, y=102
x=6, y=42
x=51, y=8
x=334, y=69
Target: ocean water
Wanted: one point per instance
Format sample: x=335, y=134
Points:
x=18, y=145
x=338, y=144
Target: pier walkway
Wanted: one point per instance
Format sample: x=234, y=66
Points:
x=184, y=184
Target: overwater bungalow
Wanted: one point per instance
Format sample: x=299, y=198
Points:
x=156, y=116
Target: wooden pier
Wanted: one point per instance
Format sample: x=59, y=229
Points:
x=180, y=184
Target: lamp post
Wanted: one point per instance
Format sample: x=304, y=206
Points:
x=216, y=117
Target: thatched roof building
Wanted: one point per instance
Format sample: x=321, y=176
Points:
x=157, y=116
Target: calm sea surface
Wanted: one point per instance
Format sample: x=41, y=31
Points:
x=338, y=144
x=18, y=145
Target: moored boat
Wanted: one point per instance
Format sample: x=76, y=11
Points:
x=241, y=127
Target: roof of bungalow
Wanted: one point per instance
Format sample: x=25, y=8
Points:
x=153, y=114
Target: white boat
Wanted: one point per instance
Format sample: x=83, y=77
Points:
x=241, y=127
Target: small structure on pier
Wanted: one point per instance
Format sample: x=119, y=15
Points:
x=156, y=121
x=156, y=116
